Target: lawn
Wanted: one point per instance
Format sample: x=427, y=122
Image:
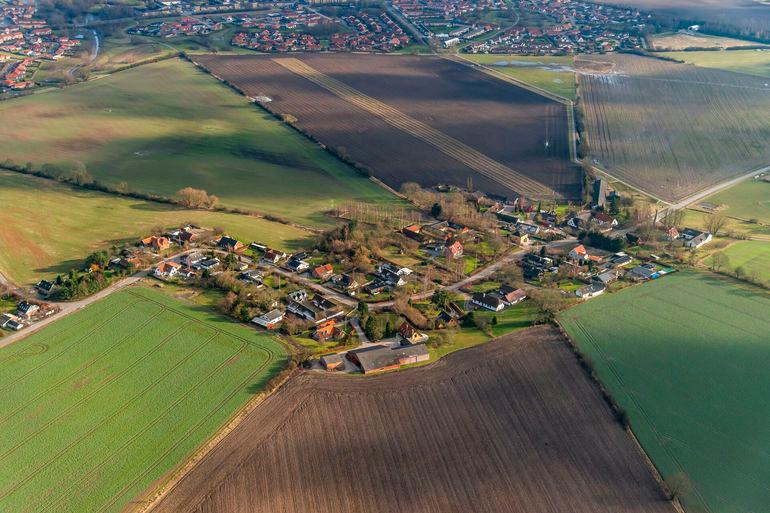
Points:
x=687, y=357
x=164, y=126
x=552, y=73
x=511, y=319
x=49, y=228
x=100, y=405
x=752, y=62
x=753, y=256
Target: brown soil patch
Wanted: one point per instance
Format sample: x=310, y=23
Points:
x=511, y=426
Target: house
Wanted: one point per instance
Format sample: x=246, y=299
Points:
x=446, y=319
x=323, y=272
x=156, y=243
x=410, y=335
x=318, y=310
x=11, y=322
x=413, y=231
x=27, y=310
x=375, y=287
x=529, y=229
x=45, y=287
x=589, y=291
x=599, y=195
x=621, y=260
x=672, y=234
x=273, y=256
x=252, y=276
x=190, y=259
x=269, y=320
x=607, y=277
x=296, y=265
x=578, y=253
x=604, y=221
x=208, y=264
x=185, y=236
x=186, y=274
x=695, y=238
x=453, y=251
x=229, y=244
x=332, y=362
x=256, y=246
x=520, y=238
x=327, y=330
x=642, y=273
x=489, y=301
x=346, y=283
x=382, y=358
x=167, y=270
x=512, y=296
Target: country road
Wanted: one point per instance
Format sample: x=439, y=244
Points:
x=67, y=308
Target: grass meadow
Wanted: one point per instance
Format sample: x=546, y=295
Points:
x=552, y=73
x=753, y=256
x=748, y=200
x=751, y=62
x=687, y=357
x=49, y=228
x=103, y=403
x=164, y=126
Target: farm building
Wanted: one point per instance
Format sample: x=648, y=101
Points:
x=382, y=358
x=512, y=296
x=332, y=362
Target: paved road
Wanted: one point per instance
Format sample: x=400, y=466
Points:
x=66, y=309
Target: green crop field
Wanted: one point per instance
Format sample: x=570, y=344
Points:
x=752, y=62
x=687, y=356
x=49, y=228
x=552, y=73
x=100, y=405
x=747, y=200
x=164, y=126
x=752, y=256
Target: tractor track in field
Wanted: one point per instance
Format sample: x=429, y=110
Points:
x=107, y=419
x=86, y=365
x=70, y=346
x=112, y=379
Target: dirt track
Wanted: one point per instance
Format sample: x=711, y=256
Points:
x=410, y=118
x=510, y=426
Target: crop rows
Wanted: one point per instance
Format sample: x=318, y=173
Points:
x=674, y=129
x=452, y=147
x=488, y=429
x=89, y=429
x=412, y=119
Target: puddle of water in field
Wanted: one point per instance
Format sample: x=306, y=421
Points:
x=559, y=68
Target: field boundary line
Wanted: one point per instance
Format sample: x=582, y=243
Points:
x=175, y=403
x=148, y=500
x=653, y=427
x=483, y=68
x=656, y=475
x=109, y=418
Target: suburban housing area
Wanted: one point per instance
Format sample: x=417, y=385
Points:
x=432, y=256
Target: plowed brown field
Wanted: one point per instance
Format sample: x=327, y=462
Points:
x=511, y=426
x=423, y=119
